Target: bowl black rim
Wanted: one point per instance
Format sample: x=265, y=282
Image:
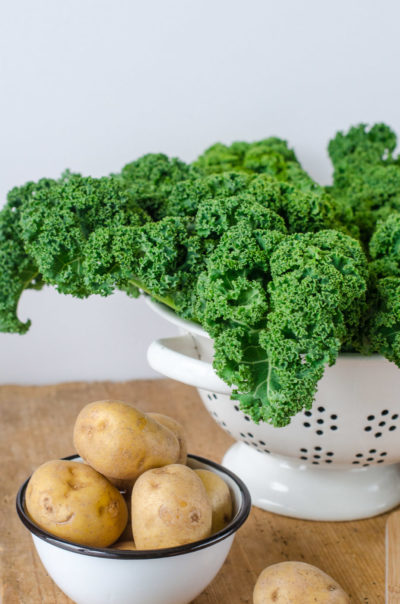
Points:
x=240, y=517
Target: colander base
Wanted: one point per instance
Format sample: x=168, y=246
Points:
x=290, y=487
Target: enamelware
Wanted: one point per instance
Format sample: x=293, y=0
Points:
x=337, y=461
x=175, y=575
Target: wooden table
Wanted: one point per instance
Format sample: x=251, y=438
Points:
x=36, y=425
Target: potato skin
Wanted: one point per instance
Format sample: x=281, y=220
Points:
x=220, y=498
x=128, y=545
x=126, y=534
x=177, y=429
x=170, y=507
x=295, y=582
x=72, y=501
x=121, y=442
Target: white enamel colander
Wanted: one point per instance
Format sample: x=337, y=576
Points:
x=338, y=461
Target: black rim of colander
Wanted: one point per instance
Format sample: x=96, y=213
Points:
x=232, y=527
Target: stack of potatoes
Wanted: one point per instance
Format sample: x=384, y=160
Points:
x=128, y=455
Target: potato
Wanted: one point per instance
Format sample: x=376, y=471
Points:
x=121, y=442
x=126, y=534
x=295, y=582
x=220, y=498
x=170, y=507
x=129, y=545
x=72, y=501
x=177, y=429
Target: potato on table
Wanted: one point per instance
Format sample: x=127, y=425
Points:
x=177, y=429
x=121, y=442
x=170, y=507
x=220, y=498
x=297, y=583
x=72, y=501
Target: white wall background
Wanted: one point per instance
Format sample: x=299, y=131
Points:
x=93, y=84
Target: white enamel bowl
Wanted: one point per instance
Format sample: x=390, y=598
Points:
x=337, y=461
x=168, y=576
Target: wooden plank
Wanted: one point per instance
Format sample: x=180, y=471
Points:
x=393, y=558
x=36, y=425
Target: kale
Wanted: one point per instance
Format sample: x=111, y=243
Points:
x=283, y=273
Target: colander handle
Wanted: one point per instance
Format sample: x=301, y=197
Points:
x=176, y=358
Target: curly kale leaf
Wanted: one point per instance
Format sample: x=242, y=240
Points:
x=382, y=332
x=303, y=209
x=385, y=241
x=318, y=286
x=151, y=178
x=59, y=223
x=215, y=216
x=222, y=158
x=366, y=175
x=19, y=271
x=279, y=307
x=274, y=178
x=381, y=320
x=268, y=156
x=361, y=146
x=161, y=258
x=233, y=288
x=186, y=196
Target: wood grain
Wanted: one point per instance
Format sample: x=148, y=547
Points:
x=393, y=558
x=36, y=425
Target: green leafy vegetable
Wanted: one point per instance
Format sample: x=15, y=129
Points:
x=283, y=273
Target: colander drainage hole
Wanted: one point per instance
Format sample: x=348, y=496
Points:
x=381, y=423
x=369, y=459
x=329, y=454
x=316, y=454
x=263, y=447
x=383, y=454
x=320, y=421
x=260, y=445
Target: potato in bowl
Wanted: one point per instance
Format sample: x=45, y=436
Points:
x=96, y=575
